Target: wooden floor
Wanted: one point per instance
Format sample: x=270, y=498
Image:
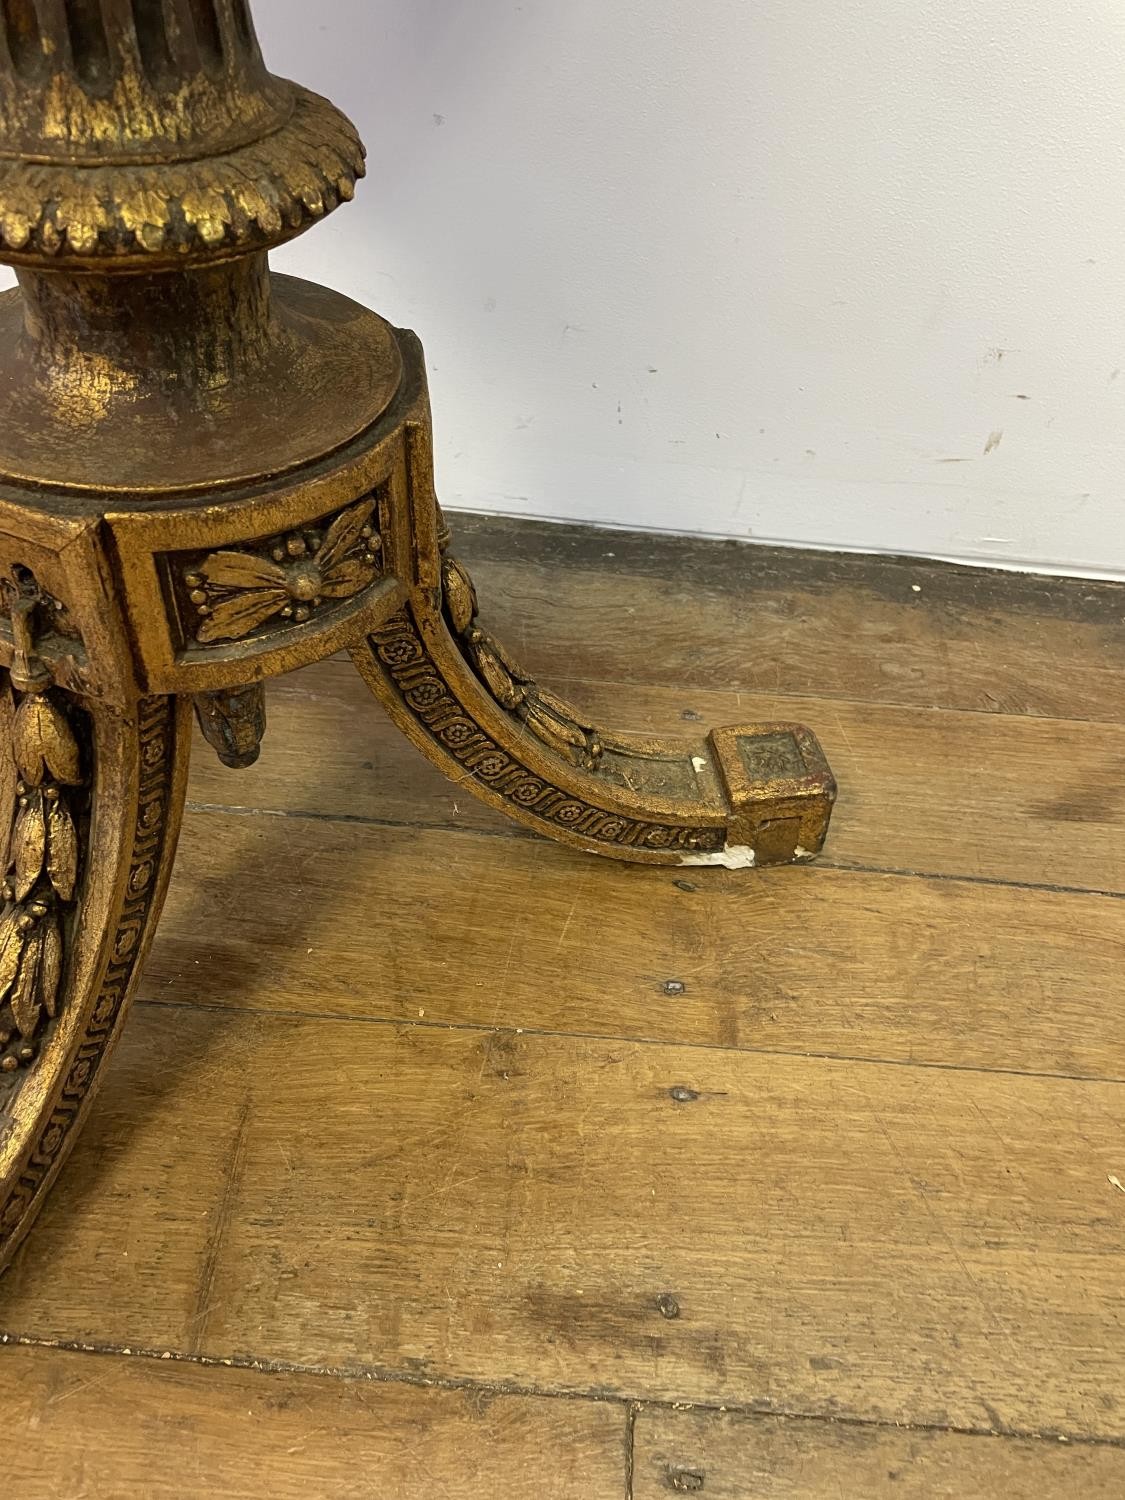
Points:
x=440, y=1161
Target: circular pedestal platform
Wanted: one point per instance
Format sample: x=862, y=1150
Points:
x=87, y=438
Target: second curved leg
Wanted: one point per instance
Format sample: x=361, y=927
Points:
x=754, y=794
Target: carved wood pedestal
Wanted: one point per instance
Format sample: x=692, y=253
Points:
x=210, y=475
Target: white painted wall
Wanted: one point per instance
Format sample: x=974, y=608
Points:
x=847, y=272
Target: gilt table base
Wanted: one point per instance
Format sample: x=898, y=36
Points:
x=210, y=475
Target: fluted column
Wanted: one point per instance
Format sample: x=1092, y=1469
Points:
x=132, y=130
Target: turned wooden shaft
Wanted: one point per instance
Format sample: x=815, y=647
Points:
x=189, y=329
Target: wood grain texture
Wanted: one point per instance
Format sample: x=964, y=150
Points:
x=733, y=1457
x=140, y=1212
x=516, y=934
x=964, y=794
x=83, y=1425
x=412, y=1094
x=841, y=1239
x=780, y=620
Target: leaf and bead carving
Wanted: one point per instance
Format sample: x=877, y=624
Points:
x=549, y=718
x=41, y=867
x=236, y=593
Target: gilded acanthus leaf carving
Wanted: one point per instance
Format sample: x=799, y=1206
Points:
x=235, y=593
x=269, y=189
x=549, y=718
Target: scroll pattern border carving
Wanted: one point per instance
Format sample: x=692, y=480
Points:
x=156, y=731
x=424, y=691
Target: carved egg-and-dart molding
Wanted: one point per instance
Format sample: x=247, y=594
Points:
x=290, y=578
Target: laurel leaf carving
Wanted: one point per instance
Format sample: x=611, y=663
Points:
x=43, y=741
x=62, y=849
x=50, y=968
x=24, y=998
x=501, y=684
x=549, y=718
x=560, y=733
x=346, y=579
x=238, y=616
x=243, y=570
x=29, y=839
x=343, y=534
x=11, y=946
x=460, y=595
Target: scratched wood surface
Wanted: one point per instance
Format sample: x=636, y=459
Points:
x=817, y=960
x=441, y=1154
x=936, y=1246
x=103, y=1426
x=728, y=1456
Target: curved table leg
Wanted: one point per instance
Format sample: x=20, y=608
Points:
x=97, y=798
x=756, y=794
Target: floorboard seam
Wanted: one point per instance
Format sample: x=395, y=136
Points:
x=482, y=1028
x=630, y=1448
x=574, y=685
x=376, y=1374
x=905, y=873
x=845, y=867
x=365, y=820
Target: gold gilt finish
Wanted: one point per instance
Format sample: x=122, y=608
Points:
x=211, y=474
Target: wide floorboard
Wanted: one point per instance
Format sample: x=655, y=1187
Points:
x=439, y=1160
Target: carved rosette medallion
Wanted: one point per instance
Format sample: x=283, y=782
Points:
x=288, y=578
